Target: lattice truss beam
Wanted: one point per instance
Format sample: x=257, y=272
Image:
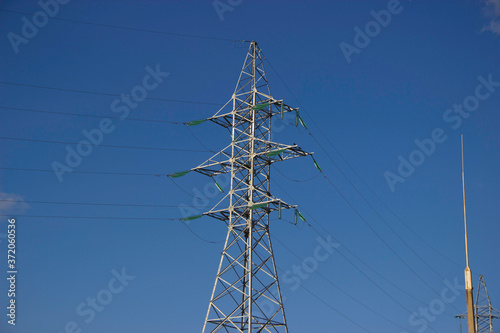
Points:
x=246, y=296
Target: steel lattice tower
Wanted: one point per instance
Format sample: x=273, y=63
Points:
x=247, y=272
x=484, y=312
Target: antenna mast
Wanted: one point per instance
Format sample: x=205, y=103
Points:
x=468, y=274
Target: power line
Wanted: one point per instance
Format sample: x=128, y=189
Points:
x=106, y=204
x=92, y=116
x=346, y=258
x=328, y=305
x=352, y=206
x=162, y=219
x=114, y=218
x=340, y=289
x=373, y=208
x=100, y=173
x=390, y=210
x=118, y=118
x=87, y=172
x=87, y=203
x=104, y=173
x=117, y=205
x=388, y=225
x=383, y=240
x=182, y=189
x=352, y=169
x=358, y=258
x=101, y=145
x=96, y=217
x=369, y=267
x=198, y=236
x=154, y=218
x=105, y=94
x=297, y=180
x=198, y=140
x=128, y=28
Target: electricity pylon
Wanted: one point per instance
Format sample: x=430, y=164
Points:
x=484, y=312
x=247, y=274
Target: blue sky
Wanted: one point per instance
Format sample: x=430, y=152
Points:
x=372, y=104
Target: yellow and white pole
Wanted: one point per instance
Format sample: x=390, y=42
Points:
x=468, y=275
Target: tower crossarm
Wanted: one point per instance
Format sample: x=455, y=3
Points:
x=242, y=110
x=221, y=162
x=495, y=315
x=217, y=164
x=269, y=205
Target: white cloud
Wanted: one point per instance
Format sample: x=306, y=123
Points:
x=495, y=4
x=493, y=26
x=492, y=12
x=12, y=203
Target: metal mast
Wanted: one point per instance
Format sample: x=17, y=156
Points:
x=485, y=313
x=247, y=274
x=468, y=275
